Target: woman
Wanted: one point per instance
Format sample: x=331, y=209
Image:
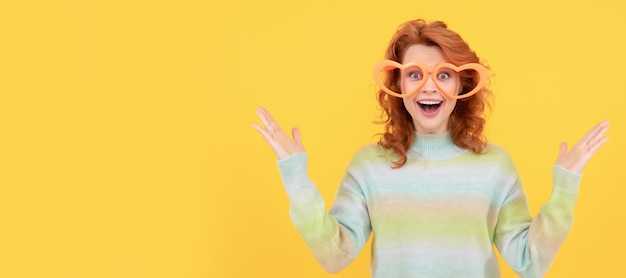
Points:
x=432, y=192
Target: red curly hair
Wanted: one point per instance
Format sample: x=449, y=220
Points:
x=466, y=121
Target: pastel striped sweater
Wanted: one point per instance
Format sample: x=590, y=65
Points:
x=437, y=216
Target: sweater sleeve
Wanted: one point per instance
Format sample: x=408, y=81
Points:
x=335, y=238
x=530, y=245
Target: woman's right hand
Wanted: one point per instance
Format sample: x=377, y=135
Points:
x=280, y=142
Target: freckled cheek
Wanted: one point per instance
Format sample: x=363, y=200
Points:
x=408, y=86
x=453, y=88
x=450, y=88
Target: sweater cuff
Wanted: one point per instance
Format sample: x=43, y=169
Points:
x=566, y=184
x=293, y=171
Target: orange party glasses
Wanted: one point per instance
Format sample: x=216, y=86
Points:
x=422, y=73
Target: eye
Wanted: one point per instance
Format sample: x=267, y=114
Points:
x=415, y=75
x=443, y=76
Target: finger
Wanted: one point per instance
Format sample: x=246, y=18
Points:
x=270, y=123
x=263, y=133
x=595, y=130
x=598, y=136
x=275, y=144
x=275, y=140
x=602, y=129
x=591, y=132
x=592, y=149
x=264, y=116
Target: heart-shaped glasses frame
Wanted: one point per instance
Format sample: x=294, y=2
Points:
x=388, y=65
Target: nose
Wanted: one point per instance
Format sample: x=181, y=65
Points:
x=429, y=86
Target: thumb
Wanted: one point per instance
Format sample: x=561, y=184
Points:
x=295, y=133
x=562, y=150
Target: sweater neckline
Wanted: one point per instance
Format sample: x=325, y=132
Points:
x=434, y=147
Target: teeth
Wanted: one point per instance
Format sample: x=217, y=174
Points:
x=429, y=102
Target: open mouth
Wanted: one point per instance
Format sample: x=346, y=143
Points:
x=429, y=105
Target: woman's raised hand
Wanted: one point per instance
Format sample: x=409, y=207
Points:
x=280, y=142
x=576, y=159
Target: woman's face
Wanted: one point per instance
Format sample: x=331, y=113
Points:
x=429, y=108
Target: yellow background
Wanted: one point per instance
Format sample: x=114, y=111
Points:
x=126, y=147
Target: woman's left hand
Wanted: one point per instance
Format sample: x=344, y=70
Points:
x=576, y=159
